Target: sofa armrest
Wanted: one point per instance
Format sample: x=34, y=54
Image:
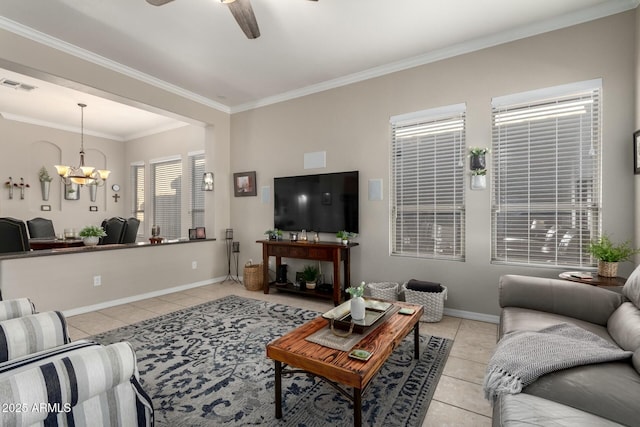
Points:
x=10, y=309
x=577, y=300
x=68, y=380
x=29, y=334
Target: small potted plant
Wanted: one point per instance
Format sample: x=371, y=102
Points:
x=45, y=182
x=274, y=234
x=91, y=235
x=344, y=236
x=478, y=179
x=477, y=158
x=609, y=254
x=357, y=301
x=310, y=275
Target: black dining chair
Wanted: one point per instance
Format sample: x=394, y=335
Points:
x=40, y=228
x=13, y=236
x=115, y=229
x=131, y=230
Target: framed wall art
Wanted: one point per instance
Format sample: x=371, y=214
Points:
x=244, y=184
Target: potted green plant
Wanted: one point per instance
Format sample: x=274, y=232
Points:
x=344, y=236
x=91, y=234
x=310, y=275
x=274, y=234
x=478, y=179
x=45, y=182
x=610, y=254
x=477, y=158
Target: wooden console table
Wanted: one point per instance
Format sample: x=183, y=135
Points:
x=321, y=251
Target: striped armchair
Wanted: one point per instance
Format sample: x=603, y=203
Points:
x=78, y=384
x=46, y=379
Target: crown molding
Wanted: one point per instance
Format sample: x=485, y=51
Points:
x=564, y=21
x=52, y=42
x=73, y=129
x=600, y=11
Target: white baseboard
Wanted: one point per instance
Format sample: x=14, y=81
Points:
x=127, y=300
x=481, y=317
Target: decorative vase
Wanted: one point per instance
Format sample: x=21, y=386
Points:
x=311, y=285
x=90, y=240
x=44, y=187
x=607, y=269
x=93, y=190
x=357, y=308
x=478, y=182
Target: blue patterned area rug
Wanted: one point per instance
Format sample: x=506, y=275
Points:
x=207, y=366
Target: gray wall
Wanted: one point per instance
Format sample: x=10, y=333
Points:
x=351, y=124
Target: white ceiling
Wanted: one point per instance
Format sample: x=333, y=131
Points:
x=195, y=48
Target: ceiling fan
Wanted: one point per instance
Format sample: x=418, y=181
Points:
x=241, y=11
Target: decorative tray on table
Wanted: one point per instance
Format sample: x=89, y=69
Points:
x=374, y=311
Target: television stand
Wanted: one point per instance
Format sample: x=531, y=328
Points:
x=320, y=251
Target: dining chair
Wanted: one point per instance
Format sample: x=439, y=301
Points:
x=13, y=236
x=115, y=229
x=41, y=228
x=131, y=230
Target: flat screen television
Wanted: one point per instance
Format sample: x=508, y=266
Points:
x=323, y=202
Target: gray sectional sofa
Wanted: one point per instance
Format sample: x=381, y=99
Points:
x=598, y=394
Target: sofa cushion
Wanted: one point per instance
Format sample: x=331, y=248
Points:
x=609, y=390
x=10, y=309
x=624, y=326
x=527, y=410
x=523, y=319
x=631, y=287
x=29, y=334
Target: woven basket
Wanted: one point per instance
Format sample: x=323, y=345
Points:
x=433, y=302
x=607, y=269
x=253, y=277
x=384, y=290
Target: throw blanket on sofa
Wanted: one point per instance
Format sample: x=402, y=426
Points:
x=522, y=357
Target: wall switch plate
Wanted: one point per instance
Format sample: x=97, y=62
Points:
x=194, y=264
x=97, y=280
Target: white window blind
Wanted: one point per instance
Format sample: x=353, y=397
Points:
x=427, y=183
x=167, y=184
x=137, y=205
x=546, y=200
x=197, y=164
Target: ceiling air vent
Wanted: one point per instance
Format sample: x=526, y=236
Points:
x=16, y=85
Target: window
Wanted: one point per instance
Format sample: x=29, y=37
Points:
x=166, y=176
x=546, y=170
x=196, y=162
x=427, y=183
x=137, y=203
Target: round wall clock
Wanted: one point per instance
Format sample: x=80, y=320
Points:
x=115, y=187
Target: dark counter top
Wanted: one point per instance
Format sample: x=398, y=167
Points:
x=98, y=248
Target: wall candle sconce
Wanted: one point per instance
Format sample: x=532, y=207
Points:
x=207, y=181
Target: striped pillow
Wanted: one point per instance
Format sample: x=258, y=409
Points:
x=33, y=333
x=13, y=308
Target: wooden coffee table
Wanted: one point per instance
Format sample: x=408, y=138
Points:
x=335, y=366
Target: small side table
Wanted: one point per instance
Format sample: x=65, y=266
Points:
x=614, y=284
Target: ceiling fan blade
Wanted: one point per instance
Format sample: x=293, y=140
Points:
x=158, y=2
x=243, y=12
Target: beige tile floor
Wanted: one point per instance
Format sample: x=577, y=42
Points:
x=458, y=399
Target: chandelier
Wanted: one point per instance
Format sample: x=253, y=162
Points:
x=82, y=175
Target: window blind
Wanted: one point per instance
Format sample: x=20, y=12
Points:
x=197, y=164
x=166, y=198
x=427, y=183
x=137, y=183
x=546, y=200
